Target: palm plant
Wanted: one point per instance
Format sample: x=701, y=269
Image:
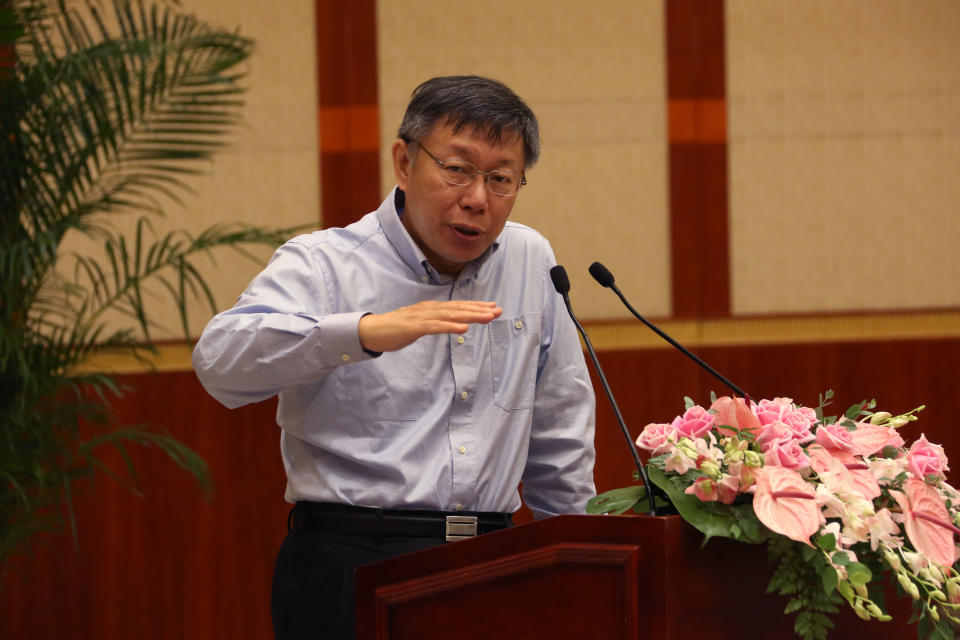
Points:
x=103, y=113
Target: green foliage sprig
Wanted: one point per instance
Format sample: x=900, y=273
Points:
x=797, y=577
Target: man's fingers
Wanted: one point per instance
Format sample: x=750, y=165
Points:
x=396, y=329
x=445, y=327
x=459, y=311
x=467, y=315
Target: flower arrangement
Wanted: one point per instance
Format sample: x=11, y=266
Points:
x=838, y=500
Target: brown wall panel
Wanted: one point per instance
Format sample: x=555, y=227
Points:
x=172, y=565
x=350, y=183
x=697, y=115
x=698, y=230
x=695, y=48
x=348, y=110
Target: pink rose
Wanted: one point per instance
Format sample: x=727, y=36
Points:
x=771, y=433
x=808, y=414
x=834, y=436
x=800, y=423
x=926, y=459
x=654, y=437
x=788, y=454
x=694, y=422
x=768, y=411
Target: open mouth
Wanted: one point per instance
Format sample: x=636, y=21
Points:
x=466, y=231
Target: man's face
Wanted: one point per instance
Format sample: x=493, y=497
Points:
x=451, y=224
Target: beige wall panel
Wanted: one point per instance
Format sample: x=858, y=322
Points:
x=594, y=75
x=844, y=154
x=269, y=173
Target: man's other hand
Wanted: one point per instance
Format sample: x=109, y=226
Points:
x=396, y=329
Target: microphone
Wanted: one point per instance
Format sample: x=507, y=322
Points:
x=602, y=275
x=562, y=284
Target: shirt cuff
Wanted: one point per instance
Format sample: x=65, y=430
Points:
x=340, y=337
x=373, y=354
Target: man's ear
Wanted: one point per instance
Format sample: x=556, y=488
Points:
x=401, y=162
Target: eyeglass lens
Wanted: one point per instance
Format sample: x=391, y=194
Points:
x=461, y=173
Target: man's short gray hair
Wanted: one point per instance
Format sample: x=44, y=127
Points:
x=489, y=107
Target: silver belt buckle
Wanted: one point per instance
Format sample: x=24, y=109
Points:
x=461, y=527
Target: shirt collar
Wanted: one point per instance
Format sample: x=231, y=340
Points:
x=389, y=216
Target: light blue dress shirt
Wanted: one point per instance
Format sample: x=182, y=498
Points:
x=448, y=423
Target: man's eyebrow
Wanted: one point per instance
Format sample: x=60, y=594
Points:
x=464, y=151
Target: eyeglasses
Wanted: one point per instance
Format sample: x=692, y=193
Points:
x=501, y=182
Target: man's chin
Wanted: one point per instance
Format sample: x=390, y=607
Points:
x=452, y=263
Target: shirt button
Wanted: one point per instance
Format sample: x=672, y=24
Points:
x=345, y=357
x=460, y=340
x=459, y=507
x=518, y=324
x=464, y=395
x=462, y=449
x=424, y=278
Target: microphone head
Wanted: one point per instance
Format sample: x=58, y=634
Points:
x=601, y=274
x=560, y=280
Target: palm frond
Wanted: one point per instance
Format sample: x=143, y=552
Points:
x=107, y=109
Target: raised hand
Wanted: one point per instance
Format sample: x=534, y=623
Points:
x=398, y=328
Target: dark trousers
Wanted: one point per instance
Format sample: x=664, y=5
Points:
x=313, y=581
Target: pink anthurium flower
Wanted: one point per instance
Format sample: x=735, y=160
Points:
x=857, y=472
x=833, y=473
x=927, y=522
x=786, y=503
x=869, y=439
x=834, y=436
x=735, y=413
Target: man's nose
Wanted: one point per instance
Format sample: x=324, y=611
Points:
x=475, y=194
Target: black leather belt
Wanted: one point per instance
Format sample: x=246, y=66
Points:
x=319, y=517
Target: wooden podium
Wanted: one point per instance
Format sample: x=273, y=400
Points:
x=585, y=577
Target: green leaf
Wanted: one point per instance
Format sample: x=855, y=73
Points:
x=830, y=579
x=719, y=523
x=827, y=542
x=858, y=573
x=617, y=501
x=845, y=590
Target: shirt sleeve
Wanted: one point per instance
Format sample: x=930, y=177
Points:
x=281, y=333
x=558, y=477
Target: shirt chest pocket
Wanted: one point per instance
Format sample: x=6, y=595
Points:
x=514, y=356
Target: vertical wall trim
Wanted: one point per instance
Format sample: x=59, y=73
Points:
x=348, y=110
x=697, y=150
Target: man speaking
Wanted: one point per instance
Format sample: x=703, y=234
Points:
x=425, y=365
